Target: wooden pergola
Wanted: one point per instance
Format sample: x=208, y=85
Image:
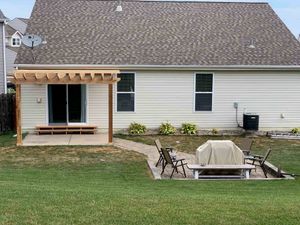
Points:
x=21, y=77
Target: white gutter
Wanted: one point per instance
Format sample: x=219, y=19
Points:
x=159, y=67
x=4, y=57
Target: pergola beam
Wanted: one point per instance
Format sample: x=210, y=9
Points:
x=65, y=76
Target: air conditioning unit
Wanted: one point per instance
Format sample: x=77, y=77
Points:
x=251, y=121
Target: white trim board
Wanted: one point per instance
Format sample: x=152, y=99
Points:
x=4, y=59
x=164, y=67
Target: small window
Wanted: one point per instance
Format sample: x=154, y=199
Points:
x=126, y=92
x=203, y=92
x=16, y=42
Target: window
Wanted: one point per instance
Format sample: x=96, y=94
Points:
x=16, y=42
x=203, y=92
x=126, y=92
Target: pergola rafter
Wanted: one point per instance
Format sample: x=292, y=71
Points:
x=21, y=77
x=65, y=76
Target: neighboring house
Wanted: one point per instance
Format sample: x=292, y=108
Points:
x=178, y=62
x=2, y=54
x=11, y=32
x=14, y=32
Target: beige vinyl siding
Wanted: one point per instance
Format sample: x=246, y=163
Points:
x=33, y=113
x=97, y=111
x=267, y=94
x=169, y=96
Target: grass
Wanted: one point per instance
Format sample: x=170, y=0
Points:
x=107, y=185
x=7, y=140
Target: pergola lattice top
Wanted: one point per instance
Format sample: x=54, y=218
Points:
x=65, y=76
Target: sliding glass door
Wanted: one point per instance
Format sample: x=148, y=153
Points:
x=76, y=103
x=57, y=100
x=67, y=103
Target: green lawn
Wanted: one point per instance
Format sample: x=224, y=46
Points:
x=106, y=185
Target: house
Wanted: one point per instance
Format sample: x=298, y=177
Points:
x=109, y=63
x=14, y=32
x=2, y=54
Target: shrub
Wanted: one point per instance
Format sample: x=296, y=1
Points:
x=166, y=129
x=295, y=130
x=188, y=128
x=214, y=131
x=137, y=128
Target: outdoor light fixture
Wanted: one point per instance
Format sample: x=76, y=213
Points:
x=119, y=7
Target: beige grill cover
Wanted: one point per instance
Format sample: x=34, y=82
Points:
x=219, y=153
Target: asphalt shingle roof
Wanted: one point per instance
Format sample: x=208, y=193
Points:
x=25, y=20
x=9, y=30
x=159, y=33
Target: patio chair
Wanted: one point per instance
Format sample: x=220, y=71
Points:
x=259, y=160
x=175, y=163
x=159, y=148
x=246, y=145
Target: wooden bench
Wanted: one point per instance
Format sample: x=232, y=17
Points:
x=65, y=129
x=198, y=169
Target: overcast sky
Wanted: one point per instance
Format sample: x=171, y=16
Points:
x=288, y=10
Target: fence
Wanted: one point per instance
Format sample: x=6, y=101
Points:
x=7, y=112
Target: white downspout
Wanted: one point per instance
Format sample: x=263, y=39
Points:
x=4, y=58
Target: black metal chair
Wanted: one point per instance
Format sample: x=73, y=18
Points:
x=259, y=160
x=175, y=163
x=159, y=149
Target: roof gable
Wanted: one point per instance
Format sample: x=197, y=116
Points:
x=159, y=33
x=24, y=20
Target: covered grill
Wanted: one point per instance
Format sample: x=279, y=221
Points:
x=219, y=153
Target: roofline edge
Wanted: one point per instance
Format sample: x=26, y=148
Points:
x=158, y=67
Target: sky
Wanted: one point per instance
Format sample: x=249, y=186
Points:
x=288, y=10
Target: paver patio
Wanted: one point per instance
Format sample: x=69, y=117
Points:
x=152, y=157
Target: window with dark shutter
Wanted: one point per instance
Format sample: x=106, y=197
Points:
x=203, y=92
x=126, y=92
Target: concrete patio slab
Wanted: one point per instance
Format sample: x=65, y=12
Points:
x=65, y=139
x=96, y=139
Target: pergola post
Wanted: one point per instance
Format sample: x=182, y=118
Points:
x=18, y=114
x=110, y=113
